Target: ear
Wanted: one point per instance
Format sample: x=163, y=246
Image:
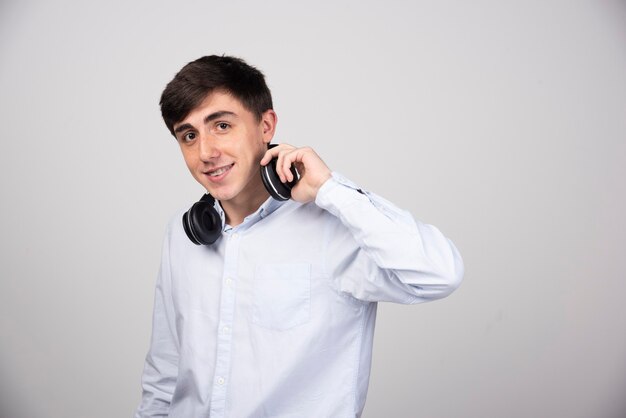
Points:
x=269, y=119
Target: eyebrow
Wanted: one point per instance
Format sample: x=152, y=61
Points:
x=215, y=115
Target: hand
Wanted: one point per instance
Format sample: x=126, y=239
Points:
x=313, y=171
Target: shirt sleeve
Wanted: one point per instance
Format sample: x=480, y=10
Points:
x=161, y=366
x=378, y=252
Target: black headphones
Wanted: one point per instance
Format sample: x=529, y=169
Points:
x=203, y=224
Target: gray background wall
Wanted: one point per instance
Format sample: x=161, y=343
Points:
x=501, y=122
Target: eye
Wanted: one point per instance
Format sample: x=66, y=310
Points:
x=222, y=126
x=189, y=136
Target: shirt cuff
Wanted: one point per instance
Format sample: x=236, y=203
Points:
x=338, y=192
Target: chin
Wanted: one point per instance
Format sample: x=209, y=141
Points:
x=222, y=193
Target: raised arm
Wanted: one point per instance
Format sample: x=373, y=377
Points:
x=376, y=252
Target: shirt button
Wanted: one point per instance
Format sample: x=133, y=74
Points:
x=229, y=281
x=225, y=330
x=235, y=236
x=220, y=380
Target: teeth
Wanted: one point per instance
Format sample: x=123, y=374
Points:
x=219, y=171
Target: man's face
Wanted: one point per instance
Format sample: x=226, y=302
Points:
x=222, y=144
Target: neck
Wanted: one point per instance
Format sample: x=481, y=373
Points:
x=241, y=206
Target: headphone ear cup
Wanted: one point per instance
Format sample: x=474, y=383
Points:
x=202, y=223
x=277, y=189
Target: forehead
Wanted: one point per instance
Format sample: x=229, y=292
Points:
x=219, y=99
x=216, y=101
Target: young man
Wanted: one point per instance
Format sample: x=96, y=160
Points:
x=276, y=318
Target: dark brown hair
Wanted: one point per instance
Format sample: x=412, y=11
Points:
x=199, y=78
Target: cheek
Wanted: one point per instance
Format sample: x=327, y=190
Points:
x=190, y=165
x=189, y=157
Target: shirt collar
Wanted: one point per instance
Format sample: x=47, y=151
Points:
x=266, y=209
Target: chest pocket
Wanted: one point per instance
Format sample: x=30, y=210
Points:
x=282, y=295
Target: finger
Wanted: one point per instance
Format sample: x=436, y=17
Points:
x=267, y=157
x=280, y=165
x=269, y=154
x=291, y=158
x=273, y=152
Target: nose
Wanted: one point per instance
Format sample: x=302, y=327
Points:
x=209, y=149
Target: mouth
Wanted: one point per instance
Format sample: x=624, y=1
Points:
x=220, y=171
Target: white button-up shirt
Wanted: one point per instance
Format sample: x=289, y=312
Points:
x=276, y=319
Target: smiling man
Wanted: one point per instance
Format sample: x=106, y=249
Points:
x=275, y=318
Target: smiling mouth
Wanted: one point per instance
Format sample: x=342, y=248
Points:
x=219, y=171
